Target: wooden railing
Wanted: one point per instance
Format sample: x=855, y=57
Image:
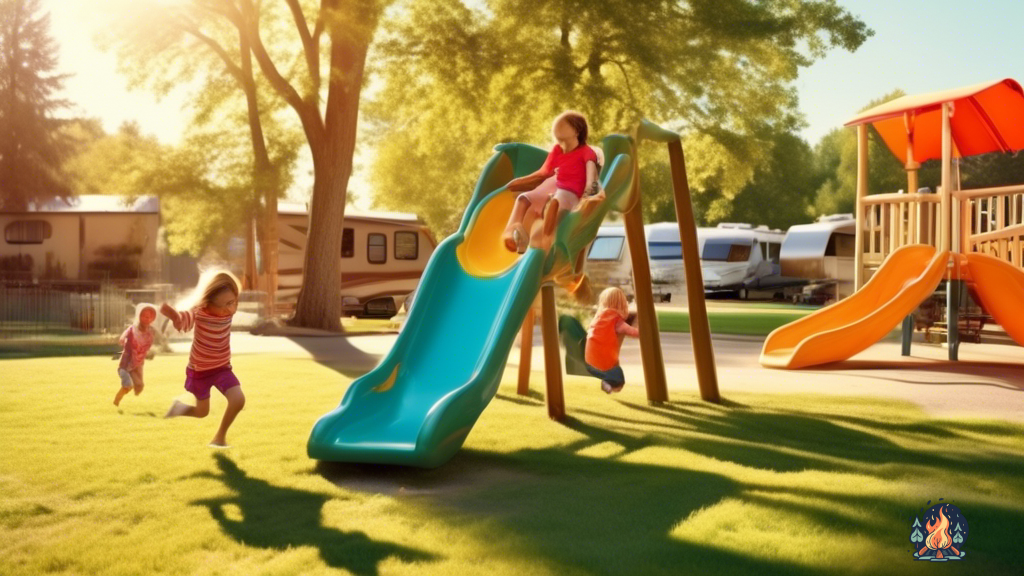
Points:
x=895, y=220
x=992, y=222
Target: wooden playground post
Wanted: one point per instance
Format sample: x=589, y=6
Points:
x=913, y=231
x=525, y=354
x=950, y=238
x=552, y=357
x=650, y=338
x=700, y=329
x=862, y=192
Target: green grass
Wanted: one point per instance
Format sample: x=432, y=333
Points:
x=794, y=485
x=736, y=323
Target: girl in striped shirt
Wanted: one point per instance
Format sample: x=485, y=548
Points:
x=209, y=362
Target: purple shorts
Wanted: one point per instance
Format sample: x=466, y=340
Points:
x=199, y=383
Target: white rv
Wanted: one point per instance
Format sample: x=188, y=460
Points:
x=822, y=252
x=666, y=255
x=734, y=257
x=609, y=262
x=383, y=255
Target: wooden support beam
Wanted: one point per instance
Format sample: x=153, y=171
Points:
x=650, y=337
x=552, y=357
x=525, y=354
x=700, y=329
x=862, y=191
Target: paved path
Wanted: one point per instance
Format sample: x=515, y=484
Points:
x=988, y=381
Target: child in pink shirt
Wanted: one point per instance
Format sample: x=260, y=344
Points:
x=135, y=342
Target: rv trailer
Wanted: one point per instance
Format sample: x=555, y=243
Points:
x=383, y=255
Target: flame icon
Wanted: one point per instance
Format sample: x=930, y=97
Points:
x=940, y=542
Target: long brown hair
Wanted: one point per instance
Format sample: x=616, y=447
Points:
x=220, y=282
x=211, y=283
x=577, y=121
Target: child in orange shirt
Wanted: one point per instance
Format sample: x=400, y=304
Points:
x=604, y=339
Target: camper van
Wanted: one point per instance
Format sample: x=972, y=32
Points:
x=383, y=255
x=608, y=260
x=666, y=255
x=734, y=257
x=822, y=252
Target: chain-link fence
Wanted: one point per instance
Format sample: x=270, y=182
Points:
x=68, y=308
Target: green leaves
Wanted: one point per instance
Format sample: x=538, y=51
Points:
x=458, y=79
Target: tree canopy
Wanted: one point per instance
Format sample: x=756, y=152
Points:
x=456, y=79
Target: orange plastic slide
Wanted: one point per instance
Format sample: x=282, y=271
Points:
x=999, y=286
x=907, y=277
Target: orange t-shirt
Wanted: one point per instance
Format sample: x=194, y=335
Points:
x=603, y=342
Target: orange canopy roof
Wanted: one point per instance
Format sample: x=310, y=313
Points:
x=986, y=117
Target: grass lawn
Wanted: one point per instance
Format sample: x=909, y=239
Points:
x=764, y=484
x=738, y=323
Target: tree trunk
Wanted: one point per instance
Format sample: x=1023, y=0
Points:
x=264, y=178
x=319, y=304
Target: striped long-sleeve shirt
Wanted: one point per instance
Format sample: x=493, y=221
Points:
x=211, y=345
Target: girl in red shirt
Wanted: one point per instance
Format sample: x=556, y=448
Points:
x=209, y=361
x=604, y=339
x=570, y=170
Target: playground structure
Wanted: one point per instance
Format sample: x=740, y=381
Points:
x=908, y=243
x=419, y=404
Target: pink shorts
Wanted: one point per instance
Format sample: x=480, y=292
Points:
x=199, y=383
x=539, y=196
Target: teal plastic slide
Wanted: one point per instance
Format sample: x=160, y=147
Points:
x=419, y=404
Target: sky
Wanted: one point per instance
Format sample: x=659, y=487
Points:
x=918, y=46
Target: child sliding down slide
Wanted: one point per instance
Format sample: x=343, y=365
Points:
x=570, y=171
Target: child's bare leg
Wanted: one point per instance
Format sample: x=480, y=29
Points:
x=236, y=401
x=120, y=394
x=543, y=235
x=137, y=382
x=200, y=410
x=519, y=211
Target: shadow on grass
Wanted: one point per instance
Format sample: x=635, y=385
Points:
x=1007, y=376
x=278, y=518
x=338, y=354
x=575, y=512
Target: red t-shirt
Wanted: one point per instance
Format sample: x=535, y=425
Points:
x=571, y=167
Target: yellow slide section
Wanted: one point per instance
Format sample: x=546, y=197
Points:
x=908, y=276
x=999, y=286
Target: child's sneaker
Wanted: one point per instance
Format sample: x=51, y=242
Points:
x=617, y=389
x=606, y=387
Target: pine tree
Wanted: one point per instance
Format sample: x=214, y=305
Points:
x=30, y=142
x=916, y=536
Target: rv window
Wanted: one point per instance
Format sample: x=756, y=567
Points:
x=407, y=246
x=665, y=250
x=348, y=243
x=377, y=248
x=840, y=245
x=774, y=248
x=28, y=232
x=606, y=248
x=725, y=251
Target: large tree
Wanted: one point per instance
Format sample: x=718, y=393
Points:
x=31, y=147
x=458, y=78
x=327, y=106
x=162, y=46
